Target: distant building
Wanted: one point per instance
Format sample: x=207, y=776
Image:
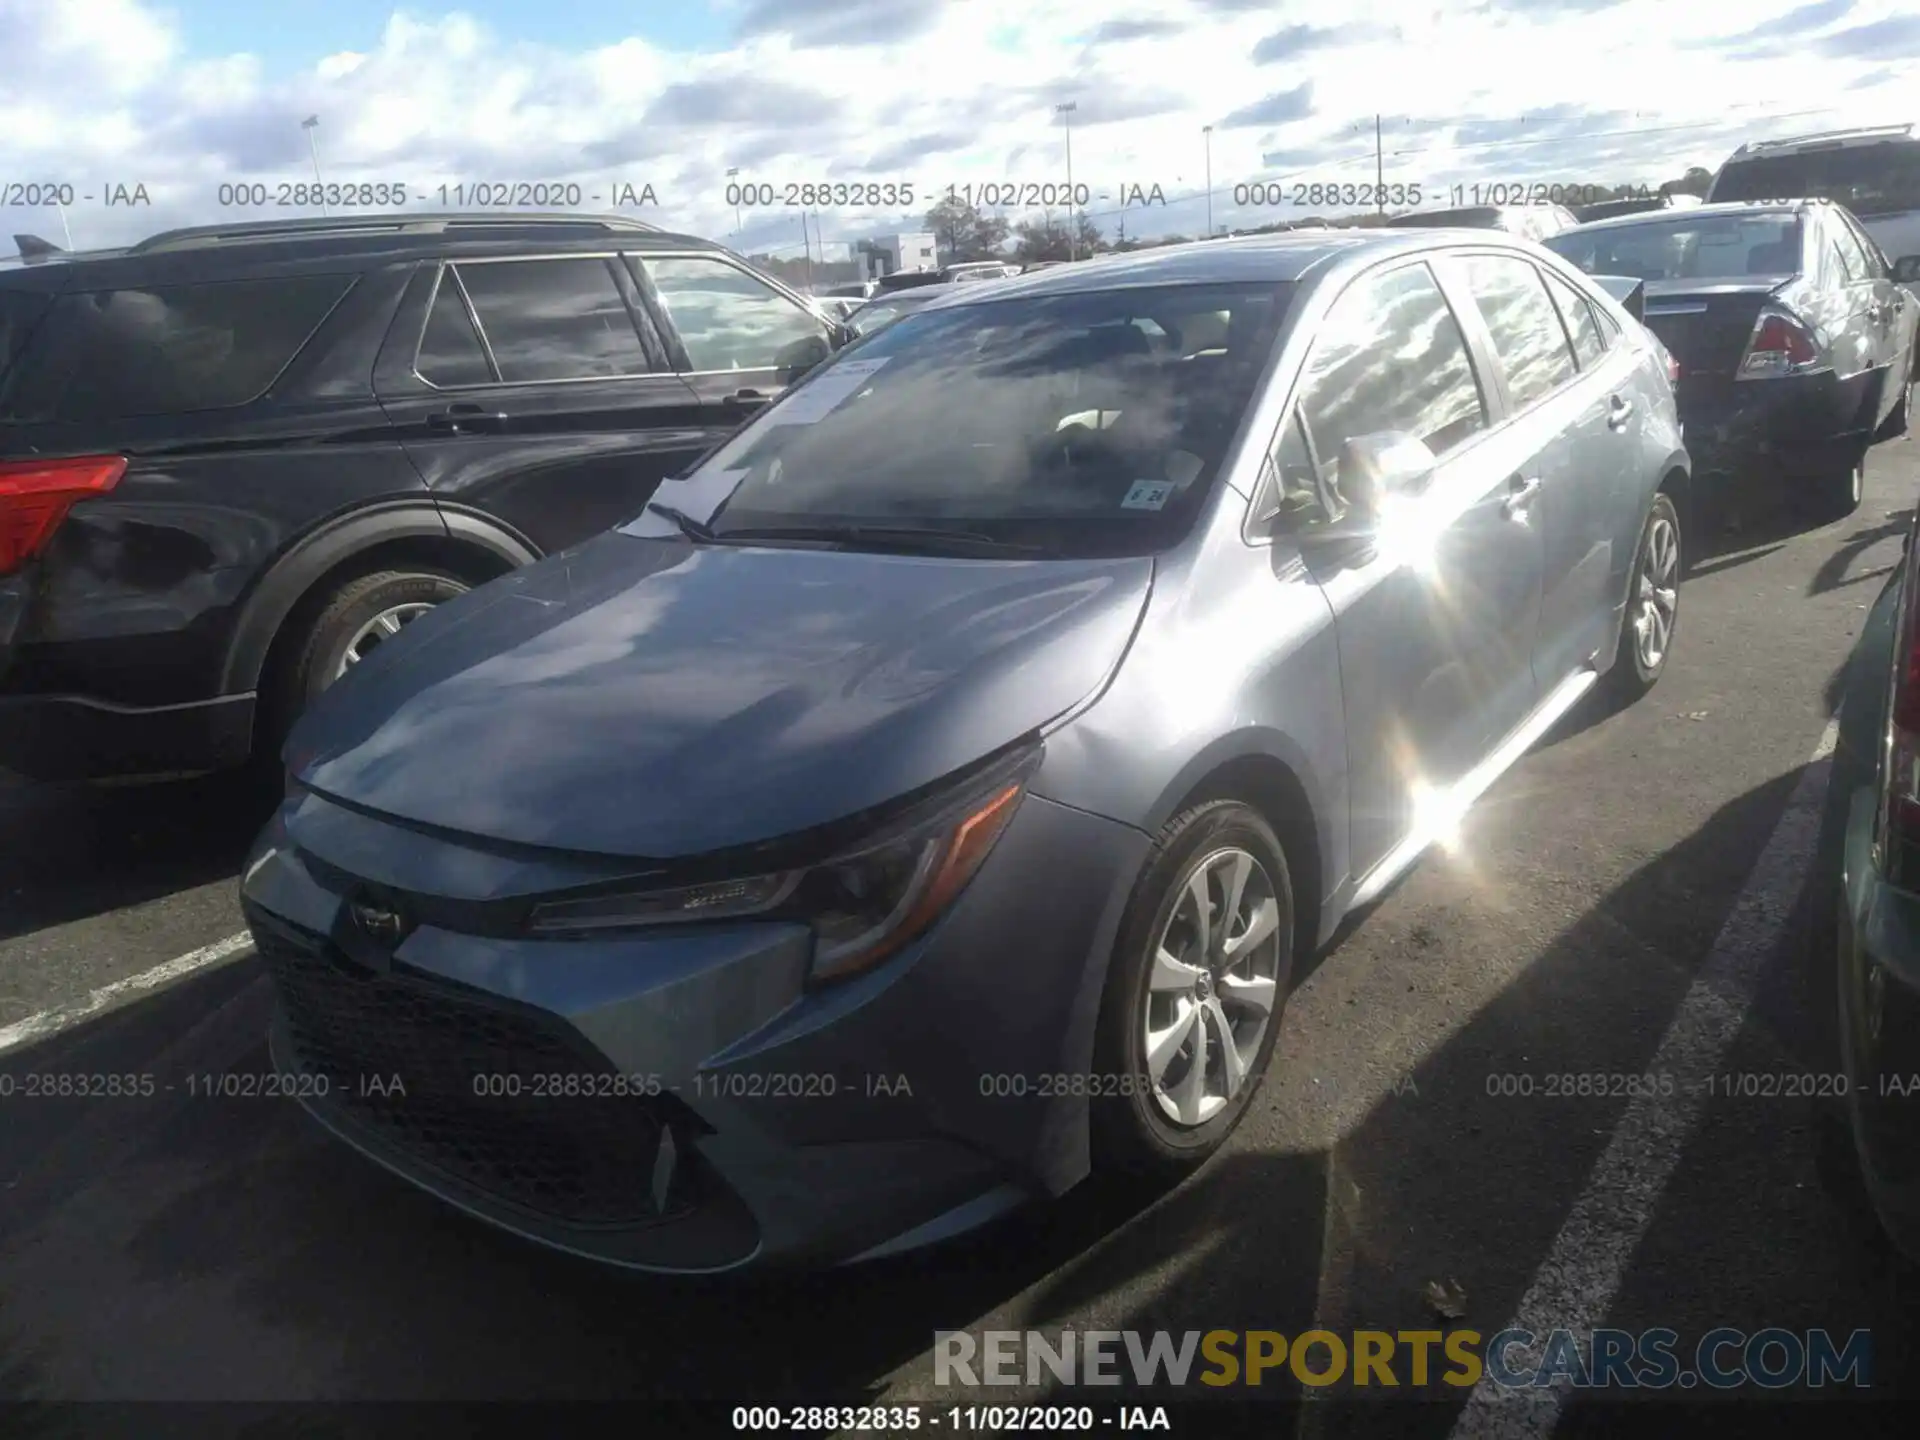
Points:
x=889, y=254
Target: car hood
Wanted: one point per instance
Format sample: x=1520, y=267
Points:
x=652, y=698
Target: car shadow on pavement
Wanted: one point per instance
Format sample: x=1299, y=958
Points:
x=72, y=852
x=180, y=1246
x=1833, y=572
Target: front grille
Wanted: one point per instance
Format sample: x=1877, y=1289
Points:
x=476, y=1094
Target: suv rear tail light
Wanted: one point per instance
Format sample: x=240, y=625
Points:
x=1900, y=806
x=1781, y=345
x=35, y=496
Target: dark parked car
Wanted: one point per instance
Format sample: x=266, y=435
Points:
x=234, y=460
x=1863, y=971
x=926, y=799
x=1529, y=222
x=1795, y=346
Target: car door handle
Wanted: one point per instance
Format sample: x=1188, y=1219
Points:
x=746, y=400
x=1619, y=411
x=463, y=416
x=1523, y=489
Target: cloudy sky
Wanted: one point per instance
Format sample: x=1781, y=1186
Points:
x=182, y=98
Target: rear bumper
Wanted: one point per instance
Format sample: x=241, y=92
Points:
x=1786, y=426
x=73, y=737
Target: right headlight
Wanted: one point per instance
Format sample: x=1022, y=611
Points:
x=863, y=905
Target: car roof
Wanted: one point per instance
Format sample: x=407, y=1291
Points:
x=1276, y=258
x=1825, y=140
x=278, y=245
x=1692, y=213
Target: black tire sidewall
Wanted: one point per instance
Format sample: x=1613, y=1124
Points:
x=1130, y=1133
x=1633, y=677
x=352, y=606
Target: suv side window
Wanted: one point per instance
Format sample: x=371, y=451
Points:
x=561, y=319
x=451, y=351
x=1389, y=356
x=1582, y=328
x=727, y=318
x=1526, y=332
x=168, y=349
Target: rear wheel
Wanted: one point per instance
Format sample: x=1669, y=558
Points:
x=1653, y=605
x=1194, y=999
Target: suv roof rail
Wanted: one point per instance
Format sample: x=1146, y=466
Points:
x=1827, y=137
x=423, y=223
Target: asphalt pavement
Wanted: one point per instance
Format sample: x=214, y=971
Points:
x=1624, y=903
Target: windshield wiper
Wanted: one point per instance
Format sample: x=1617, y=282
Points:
x=892, y=537
x=689, y=527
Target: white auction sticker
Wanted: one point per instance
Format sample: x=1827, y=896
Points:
x=1148, y=495
x=826, y=394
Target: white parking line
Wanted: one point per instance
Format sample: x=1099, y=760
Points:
x=60, y=1017
x=1575, y=1285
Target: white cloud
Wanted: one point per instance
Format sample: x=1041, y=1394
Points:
x=955, y=93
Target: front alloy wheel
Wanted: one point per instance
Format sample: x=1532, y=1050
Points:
x=1210, y=996
x=1196, y=990
x=1653, y=604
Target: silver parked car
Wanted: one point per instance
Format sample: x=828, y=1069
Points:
x=927, y=799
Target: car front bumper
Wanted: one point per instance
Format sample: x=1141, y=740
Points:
x=720, y=1112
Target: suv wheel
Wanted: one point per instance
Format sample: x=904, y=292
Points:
x=358, y=618
x=1194, y=999
x=1653, y=604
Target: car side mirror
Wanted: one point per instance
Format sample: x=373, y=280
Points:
x=1906, y=270
x=797, y=359
x=1379, y=470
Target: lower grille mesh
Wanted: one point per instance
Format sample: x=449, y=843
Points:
x=477, y=1089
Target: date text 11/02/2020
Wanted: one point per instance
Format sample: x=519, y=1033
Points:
x=1266, y=194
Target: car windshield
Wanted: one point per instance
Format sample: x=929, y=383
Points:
x=1082, y=423
x=1868, y=179
x=1690, y=247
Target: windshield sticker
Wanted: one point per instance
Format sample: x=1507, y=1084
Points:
x=826, y=394
x=1183, y=466
x=1148, y=495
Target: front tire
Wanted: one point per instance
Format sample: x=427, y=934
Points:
x=1195, y=995
x=1653, y=604
x=357, y=619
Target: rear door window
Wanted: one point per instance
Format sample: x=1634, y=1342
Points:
x=1526, y=331
x=117, y=354
x=1588, y=343
x=561, y=319
x=1858, y=266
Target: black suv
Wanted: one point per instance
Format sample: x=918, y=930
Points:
x=233, y=459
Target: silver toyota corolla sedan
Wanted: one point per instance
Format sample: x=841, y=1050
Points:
x=926, y=800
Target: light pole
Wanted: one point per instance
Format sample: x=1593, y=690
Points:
x=1065, y=112
x=1206, y=132
x=311, y=124
x=733, y=174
